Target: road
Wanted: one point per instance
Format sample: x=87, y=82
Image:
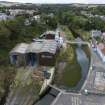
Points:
x=22, y=94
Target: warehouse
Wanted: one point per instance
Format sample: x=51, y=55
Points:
x=17, y=54
x=42, y=52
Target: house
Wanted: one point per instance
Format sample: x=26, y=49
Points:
x=103, y=35
x=96, y=33
x=41, y=52
x=3, y=16
x=15, y=12
x=101, y=51
x=37, y=18
x=27, y=22
x=48, y=35
x=94, y=44
x=18, y=54
x=54, y=35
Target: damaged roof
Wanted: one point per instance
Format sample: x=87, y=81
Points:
x=20, y=48
x=40, y=46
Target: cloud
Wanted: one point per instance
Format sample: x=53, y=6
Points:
x=59, y=1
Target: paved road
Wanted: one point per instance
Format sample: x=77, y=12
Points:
x=95, y=97
x=79, y=99
x=21, y=95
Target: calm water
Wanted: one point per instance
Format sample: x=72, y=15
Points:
x=84, y=63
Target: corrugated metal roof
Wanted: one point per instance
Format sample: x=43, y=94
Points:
x=38, y=46
x=43, y=46
x=20, y=48
x=34, y=47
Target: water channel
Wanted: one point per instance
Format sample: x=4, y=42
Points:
x=83, y=60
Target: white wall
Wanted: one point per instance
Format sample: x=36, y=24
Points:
x=101, y=54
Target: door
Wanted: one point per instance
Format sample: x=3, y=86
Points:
x=14, y=59
x=31, y=59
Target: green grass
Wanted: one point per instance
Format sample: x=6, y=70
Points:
x=71, y=74
x=85, y=34
x=7, y=74
x=98, y=39
x=68, y=33
x=24, y=79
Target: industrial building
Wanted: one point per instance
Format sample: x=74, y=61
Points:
x=18, y=54
x=41, y=52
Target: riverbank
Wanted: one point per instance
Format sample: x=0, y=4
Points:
x=68, y=71
x=72, y=68
x=7, y=75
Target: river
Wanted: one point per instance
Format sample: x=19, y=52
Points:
x=83, y=60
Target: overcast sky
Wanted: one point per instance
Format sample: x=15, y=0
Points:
x=59, y=1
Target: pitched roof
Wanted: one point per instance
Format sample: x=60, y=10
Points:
x=20, y=48
x=40, y=46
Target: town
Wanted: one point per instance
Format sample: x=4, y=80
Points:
x=52, y=54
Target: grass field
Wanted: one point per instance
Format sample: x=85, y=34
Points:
x=69, y=72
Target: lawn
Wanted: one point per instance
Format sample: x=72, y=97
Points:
x=7, y=74
x=24, y=79
x=85, y=34
x=68, y=73
x=25, y=86
x=68, y=33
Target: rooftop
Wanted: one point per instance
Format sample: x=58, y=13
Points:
x=20, y=48
x=50, y=32
x=38, y=46
x=43, y=46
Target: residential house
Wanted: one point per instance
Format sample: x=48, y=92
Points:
x=94, y=44
x=48, y=35
x=15, y=12
x=37, y=18
x=54, y=35
x=101, y=51
x=103, y=35
x=96, y=33
x=3, y=16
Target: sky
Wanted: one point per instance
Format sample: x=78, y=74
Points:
x=59, y=1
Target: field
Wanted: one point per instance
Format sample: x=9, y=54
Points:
x=68, y=70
